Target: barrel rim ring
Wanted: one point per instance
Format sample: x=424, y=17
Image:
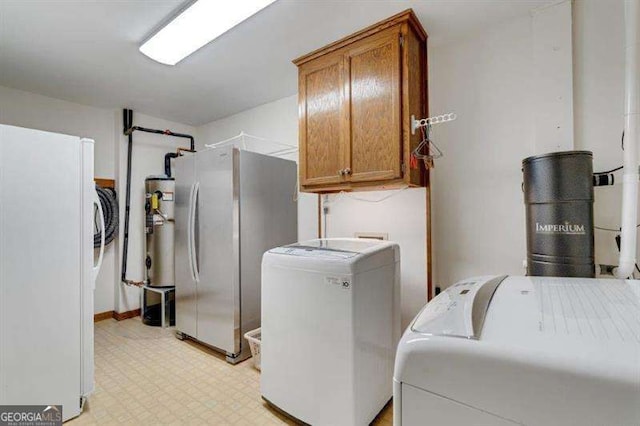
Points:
x=556, y=154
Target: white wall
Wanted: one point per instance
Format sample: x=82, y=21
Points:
x=478, y=208
x=553, y=77
x=26, y=109
x=277, y=120
x=147, y=159
x=401, y=214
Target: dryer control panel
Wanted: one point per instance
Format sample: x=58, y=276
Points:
x=459, y=311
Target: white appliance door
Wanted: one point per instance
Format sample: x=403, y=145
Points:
x=40, y=268
x=186, y=290
x=217, y=249
x=89, y=270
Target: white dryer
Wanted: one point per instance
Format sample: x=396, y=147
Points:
x=523, y=350
x=330, y=326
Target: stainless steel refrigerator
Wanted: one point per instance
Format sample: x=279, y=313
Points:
x=231, y=206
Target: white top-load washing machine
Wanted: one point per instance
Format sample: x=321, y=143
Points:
x=523, y=350
x=330, y=326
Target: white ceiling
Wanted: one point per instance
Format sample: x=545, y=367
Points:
x=87, y=51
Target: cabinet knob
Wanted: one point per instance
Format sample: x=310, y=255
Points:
x=347, y=171
x=341, y=172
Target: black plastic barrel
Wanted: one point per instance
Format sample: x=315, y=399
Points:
x=558, y=194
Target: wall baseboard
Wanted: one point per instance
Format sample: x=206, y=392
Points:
x=118, y=316
x=103, y=316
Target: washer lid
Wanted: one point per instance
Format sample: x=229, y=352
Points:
x=335, y=248
x=460, y=310
x=310, y=251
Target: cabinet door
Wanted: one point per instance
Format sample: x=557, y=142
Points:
x=323, y=120
x=373, y=66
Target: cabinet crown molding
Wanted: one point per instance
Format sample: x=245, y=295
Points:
x=408, y=16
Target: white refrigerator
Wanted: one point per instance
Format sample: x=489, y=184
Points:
x=47, y=271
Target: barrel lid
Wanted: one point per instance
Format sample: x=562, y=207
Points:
x=159, y=177
x=556, y=154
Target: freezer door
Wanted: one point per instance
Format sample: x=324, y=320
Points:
x=268, y=219
x=41, y=269
x=186, y=288
x=217, y=251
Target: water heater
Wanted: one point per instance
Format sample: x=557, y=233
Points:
x=558, y=193
x=159, y=230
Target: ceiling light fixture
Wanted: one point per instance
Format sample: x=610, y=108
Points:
x=199, y=24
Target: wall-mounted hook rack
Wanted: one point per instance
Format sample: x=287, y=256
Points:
x=424, y=122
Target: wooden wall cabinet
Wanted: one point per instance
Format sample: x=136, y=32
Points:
x=356, y=98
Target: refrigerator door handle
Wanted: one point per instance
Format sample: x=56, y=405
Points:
x=96, y=268
x=194, y=257
x=189, y=232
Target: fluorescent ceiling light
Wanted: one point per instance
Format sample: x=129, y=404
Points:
x=200, y=23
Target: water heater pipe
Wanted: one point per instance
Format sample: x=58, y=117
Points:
x=631, y=115
x=128, y=129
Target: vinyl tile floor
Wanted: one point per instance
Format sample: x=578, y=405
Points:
x=145, y=376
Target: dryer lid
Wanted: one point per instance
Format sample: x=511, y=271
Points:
x=460, y=310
